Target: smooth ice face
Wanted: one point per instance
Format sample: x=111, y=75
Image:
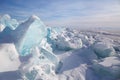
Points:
x=8, y=22
x=33, y=37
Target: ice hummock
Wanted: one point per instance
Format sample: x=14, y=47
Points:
x=108, y=68
x=103, y=49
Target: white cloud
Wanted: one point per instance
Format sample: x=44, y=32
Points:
x=99, y=14
x=73, y=13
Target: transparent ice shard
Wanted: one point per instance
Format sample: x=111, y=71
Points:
x=33, y=35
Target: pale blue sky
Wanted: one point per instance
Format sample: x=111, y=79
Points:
x=65, y=12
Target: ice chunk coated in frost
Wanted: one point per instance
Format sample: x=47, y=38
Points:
x=65, y=40
x=108, y=68
x=103, y=49
x=8, y=22
x=41, y=65
x=84, y=38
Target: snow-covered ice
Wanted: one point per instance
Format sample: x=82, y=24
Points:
x=103, y=50
x=34, y=51
x=9, y=58
x=65, y=40
x=109, y=68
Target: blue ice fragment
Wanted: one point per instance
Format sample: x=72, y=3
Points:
x=32, y=38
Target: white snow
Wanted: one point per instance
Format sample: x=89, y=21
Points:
x=107, y=61
x=35, y=17
x=9, y=58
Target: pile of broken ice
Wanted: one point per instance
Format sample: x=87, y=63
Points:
x=108, y=63
x=35, y=43
x=63, y=40
x=36, y=56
